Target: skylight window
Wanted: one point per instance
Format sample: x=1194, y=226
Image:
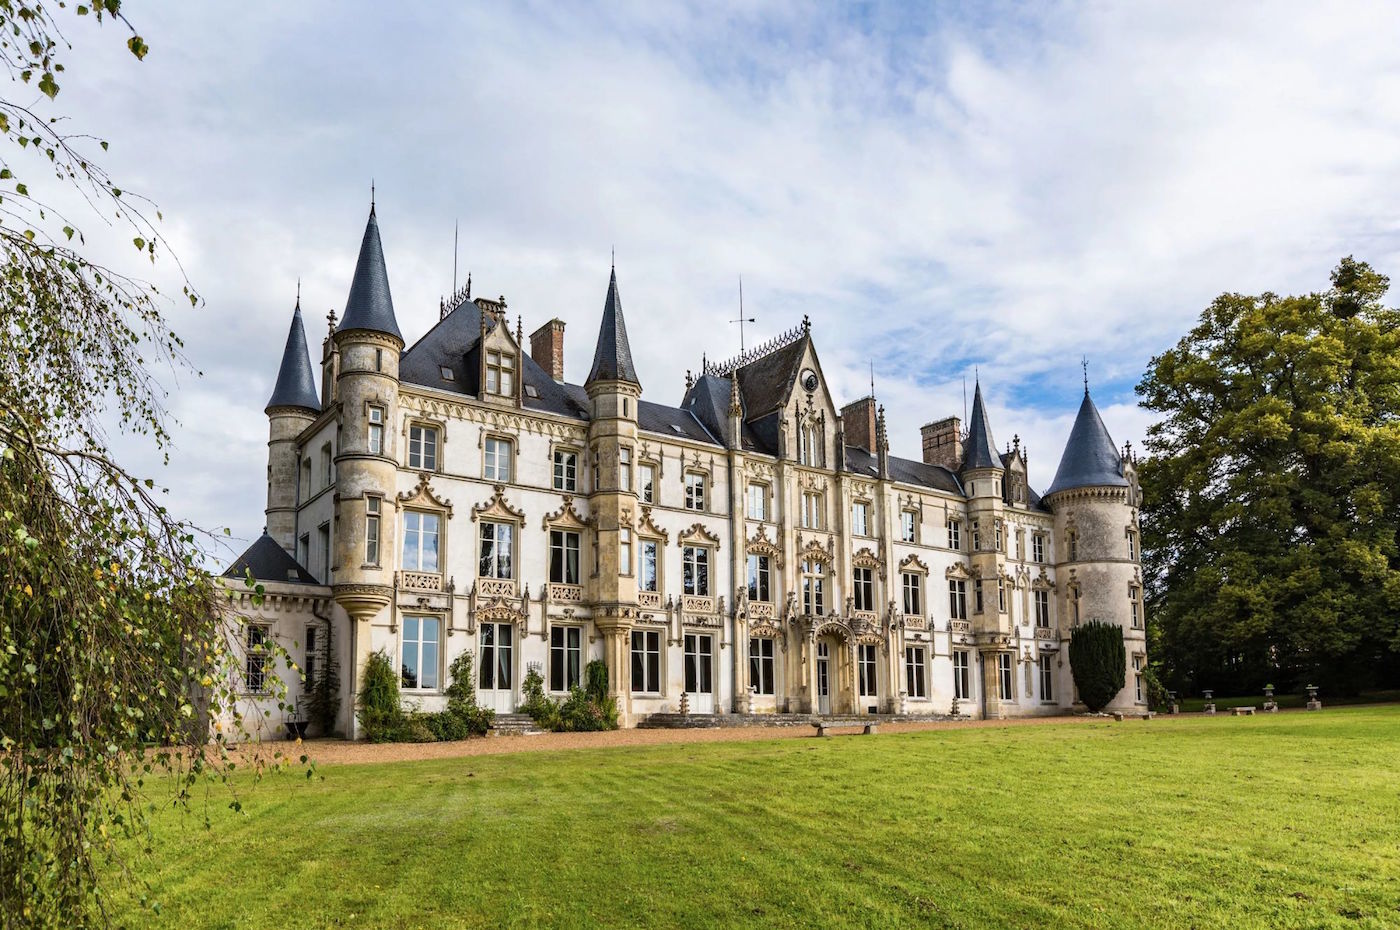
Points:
x=677, y=429
x=447, y=374
x=530, y=391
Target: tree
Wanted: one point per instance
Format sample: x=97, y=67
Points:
x=1098, y=662
x=112, y=648
x=1272, y=490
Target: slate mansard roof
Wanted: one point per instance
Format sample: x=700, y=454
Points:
x=296, y=385
x=269, y=562
x=1091, y=460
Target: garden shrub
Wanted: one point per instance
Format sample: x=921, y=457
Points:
x=380, y=712
x=1098, y=662
x=461, y=697
x=542, y=710
x=595, y=676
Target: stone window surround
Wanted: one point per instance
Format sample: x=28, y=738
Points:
x=414, y=419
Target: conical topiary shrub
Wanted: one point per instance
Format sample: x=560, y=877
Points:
x=1098, y=661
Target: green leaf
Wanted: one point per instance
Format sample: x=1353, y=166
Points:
x=48, y=86
x=22, y=189
x=138, y=47
x=139, y=242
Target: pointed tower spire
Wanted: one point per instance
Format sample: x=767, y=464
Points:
x=1091, y=458
x=612, y=359
x=370, y=305
x=296, y=385
x=981, y=449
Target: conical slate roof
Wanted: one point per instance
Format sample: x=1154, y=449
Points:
x=612, y=359
x=269, y=562
x=296, y=385
x=370, y=305
x=981, y=448
x=1091, y=460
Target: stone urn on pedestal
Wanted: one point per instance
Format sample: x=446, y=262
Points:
x=1172, y=706
x=1270, y=705
x=1313, y=702
x=1209, y=695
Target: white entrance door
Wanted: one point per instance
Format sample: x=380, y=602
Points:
x=823, y=678
x=496, y=661
x=869, y=691
x=699, y=672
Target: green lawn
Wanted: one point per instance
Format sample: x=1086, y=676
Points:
x=1290, y=820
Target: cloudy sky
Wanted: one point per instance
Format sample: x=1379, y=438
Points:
x=942, y=189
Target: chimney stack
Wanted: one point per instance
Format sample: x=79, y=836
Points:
x=943, y=443
x=547, y=348
x=859, y=420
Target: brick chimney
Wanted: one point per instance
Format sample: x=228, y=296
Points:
x=547, y=348
x=943, y=443
x=858, y=418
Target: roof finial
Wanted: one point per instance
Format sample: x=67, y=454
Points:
x=371, y=195
x=330, y=319
x=469, y=285
x=298, y=292
x=520, y=329
x=872, y=379
x=1084, y=363
x=612, y=261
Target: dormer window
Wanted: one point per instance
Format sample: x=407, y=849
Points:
x=500, y=373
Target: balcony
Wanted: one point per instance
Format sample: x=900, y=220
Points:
x=760, y=611
x=649, y=599
x=697, y=604
x=915, y=622
x=420, y=581
x=495, y=587
x=959, y=626
x=566, y=593
x=1047, y=632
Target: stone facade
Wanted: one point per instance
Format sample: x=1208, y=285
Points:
x=755, y=548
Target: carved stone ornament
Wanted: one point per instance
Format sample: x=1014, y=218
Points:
x=912, y=563
x=422, y=496
x=812, y=481
x=760, y=544
x=697, y=531
x=645, y=526
x=959, y=570
x=566, y=515
x=812, y=551
x=497, y=506
x=864, y=558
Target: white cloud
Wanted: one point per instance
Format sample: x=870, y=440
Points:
x=1011, y=189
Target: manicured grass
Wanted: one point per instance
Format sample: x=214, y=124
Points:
x=1290, y=820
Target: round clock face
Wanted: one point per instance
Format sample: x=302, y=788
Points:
x=809, y=380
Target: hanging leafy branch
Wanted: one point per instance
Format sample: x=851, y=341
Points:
x=116, y=674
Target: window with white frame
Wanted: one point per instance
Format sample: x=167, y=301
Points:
x=565, y=470
x=758, y=502
x=1000, y=536
x=565, y=658
x=624, y=469
x=914, y=677
x=977, y=596
x=1004, y=678
x=761, y=666
x=309, y=661
x=860, y=518
x=694, y=491
x=696, y=570
x=962, y=676
x=954, y=534
x=809, y=444
x=563, y=557
x=257, y=661
x=863, y=587
x=976, y=536
x=323, y=550
x=1135, y=605
x=759, y=588
x=646, y=661
x=497, y=550
x=813, y=587
x=376, y=430
x=1073, y=595
x=624, y=550
x=1001, y=595
x=420, y=541
x=1047, y=677
x=647, y=579
x=423, y=447
x=496, y=460
x=327, y=475
x=304, y=550
x=1038, y=548
x=597, y=472
x=1042, y=608
x=500, y=373
x=908, y=526
x=913, y=585
x=419, y=662
x=646, y=476
x=867, y=666
x=1072, y=545
x=1132, y=544
x=957, y=599
x=811, y=510
x=372, y=507
x=1137, y=678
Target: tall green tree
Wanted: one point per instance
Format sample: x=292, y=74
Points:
x=1272, y=491
x=112, y=646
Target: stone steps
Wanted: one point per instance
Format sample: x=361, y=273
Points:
x=514, y=725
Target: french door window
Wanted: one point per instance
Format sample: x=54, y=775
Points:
x=761, y=665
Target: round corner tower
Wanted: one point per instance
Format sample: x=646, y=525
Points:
x=293, y=407
x=1094, y=498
